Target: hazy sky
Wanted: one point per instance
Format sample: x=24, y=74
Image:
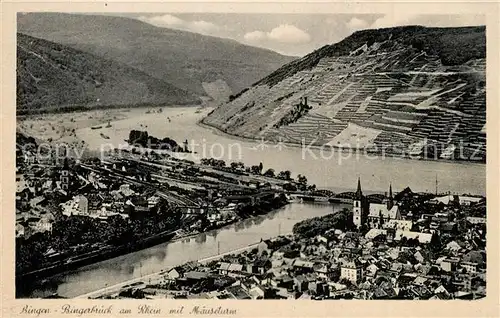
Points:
x=295, y=34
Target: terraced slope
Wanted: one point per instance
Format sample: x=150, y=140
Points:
x=399, y=89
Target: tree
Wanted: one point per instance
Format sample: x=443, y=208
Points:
x=284, y=175
x=302, y=180
x=381, y=219
x=269, y=173
x=311, y=188
x=435, y=243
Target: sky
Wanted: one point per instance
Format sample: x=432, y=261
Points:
x=295, y=34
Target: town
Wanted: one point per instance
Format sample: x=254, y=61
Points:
x=410, y=246
x=402, y=245
x=71, y=212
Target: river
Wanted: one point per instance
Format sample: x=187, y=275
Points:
x=327, y=169
x=154, y=259
x=336, y=172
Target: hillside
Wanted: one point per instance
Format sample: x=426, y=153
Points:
x=188, y=60
x=52, y=76
x=394, y=90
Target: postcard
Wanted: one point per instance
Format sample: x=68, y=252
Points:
x=218, y=159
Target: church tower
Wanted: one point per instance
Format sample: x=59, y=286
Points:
x=358, y=207
x=390, y=200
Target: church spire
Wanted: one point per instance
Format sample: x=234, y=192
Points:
x=390, y=200
x=359, y=193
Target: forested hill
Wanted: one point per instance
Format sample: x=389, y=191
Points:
x=204, y=65
x=53, y=77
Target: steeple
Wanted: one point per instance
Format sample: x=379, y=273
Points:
x=359, y=193
x=390, y=200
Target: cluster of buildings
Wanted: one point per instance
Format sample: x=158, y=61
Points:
x=422, y=256
x=123, y=186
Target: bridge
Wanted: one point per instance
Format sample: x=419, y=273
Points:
x=317, y=198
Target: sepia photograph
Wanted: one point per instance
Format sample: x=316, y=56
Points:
x=218, y=156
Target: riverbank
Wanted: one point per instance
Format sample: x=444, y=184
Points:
x=157, y=275
x=73, y=262
x=330, y=149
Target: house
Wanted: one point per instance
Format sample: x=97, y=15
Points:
x=261, y=265
x=275, y=263
x=44, y=224
x=37, y=201
x=351, y=271
x=441, y=290
x=29, y=158
x=379, y=214
x=423, y=238
x=82, y=204
x=224, y=268
x=449, y=227
x=453, y=246
x=126, y=190
x=173, y=274
x=420, y=256
x=322, y=270
x=303, y=266
x=231, y=269
x=450, y=264
x=195, y=276
x=384, y=293
x=476, y=220
x=371, y=270
x=420, y=281
x=373, y=233
x=403, y=225
x=285, y=281
x=238, y=292
x=301, y=283
x=470, y=267
x=153, y=201
x=396, y=268
x=19, y=230
x=257, y=292
x=262, y=247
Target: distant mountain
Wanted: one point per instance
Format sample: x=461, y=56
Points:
x=379, y=89
x=53, y=76
x=201, y=64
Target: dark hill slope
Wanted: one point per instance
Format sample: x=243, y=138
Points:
x=454, y=46
x=182, y=58
x=51, y=76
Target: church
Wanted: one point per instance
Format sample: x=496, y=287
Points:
x=374, y=215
